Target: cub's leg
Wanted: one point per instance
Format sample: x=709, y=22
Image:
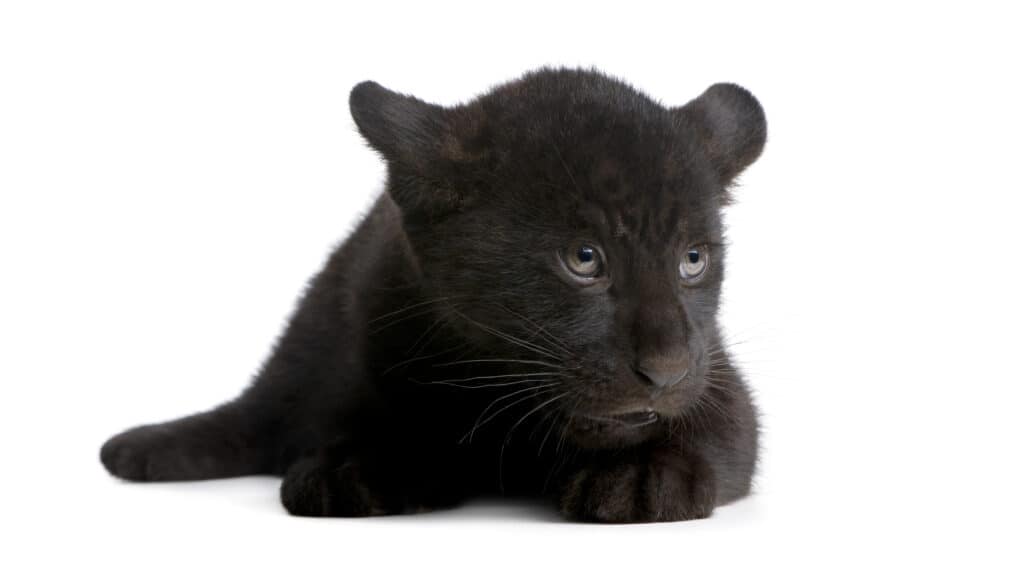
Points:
x=234, y=439
x=639, y=486
x=348, y=480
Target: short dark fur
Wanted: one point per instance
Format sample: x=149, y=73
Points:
x=445, y=351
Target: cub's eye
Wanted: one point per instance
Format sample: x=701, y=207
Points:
x=695, y=261
x=583, y=260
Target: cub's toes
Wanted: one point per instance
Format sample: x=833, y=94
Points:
x=126, y=455
x=638, y=493
x=604, y=496
x=313, y=490
x=680, y=490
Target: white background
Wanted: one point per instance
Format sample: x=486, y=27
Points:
x=172, y=173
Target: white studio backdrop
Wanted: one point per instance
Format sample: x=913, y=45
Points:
x=172, y=173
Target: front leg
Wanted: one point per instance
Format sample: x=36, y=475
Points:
x=345, y=481
x=639, y=486
x=318, y=486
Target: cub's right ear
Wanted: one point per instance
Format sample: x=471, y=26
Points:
x=402, y=128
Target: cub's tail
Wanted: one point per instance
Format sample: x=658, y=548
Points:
x=231, y=440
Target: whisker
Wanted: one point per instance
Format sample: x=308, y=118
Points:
x=561, y=461
x=729, y=393
x=402, y=319
x=568, y=422
x=508, y=436
x=554, y=421
x=540, y=423
x=709, y=417
x=407, y=308
x=486, y=385
x=498, y=376
x=511, y=339
x=498, y=360
x=531, y=412
x=480, y=423
x=550, y=338
x=716, y=405
x=430, y=330
x=423, y=357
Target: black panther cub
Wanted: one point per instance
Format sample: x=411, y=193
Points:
x=529, y=308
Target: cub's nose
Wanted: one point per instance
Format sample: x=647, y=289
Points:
x=662, y=371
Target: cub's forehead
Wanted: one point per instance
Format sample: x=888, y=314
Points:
x=605, y=159
x=651, y=220
x=656, y=197
x=635, y=192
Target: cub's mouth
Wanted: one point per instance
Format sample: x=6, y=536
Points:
x=628, y=420
x=614, y=429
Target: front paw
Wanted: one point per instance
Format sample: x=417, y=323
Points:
x=141, y=454
x=315, y=488
x=663, y=486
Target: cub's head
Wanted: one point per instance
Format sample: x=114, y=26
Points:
x=568, y=220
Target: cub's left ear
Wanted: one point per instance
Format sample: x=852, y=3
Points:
x=404, y=129
x=731, y=126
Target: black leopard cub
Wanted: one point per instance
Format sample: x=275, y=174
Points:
x=529, y=308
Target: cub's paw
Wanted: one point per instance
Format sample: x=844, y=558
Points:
x=315, y=488
x=134, y=454
x=654, y=487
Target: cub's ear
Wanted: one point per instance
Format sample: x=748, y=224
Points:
x=731, y=126
x=402, y=128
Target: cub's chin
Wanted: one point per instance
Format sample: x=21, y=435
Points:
x=638, y=422
x=615, y=430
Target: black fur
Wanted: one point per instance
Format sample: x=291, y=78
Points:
x=446, y=350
